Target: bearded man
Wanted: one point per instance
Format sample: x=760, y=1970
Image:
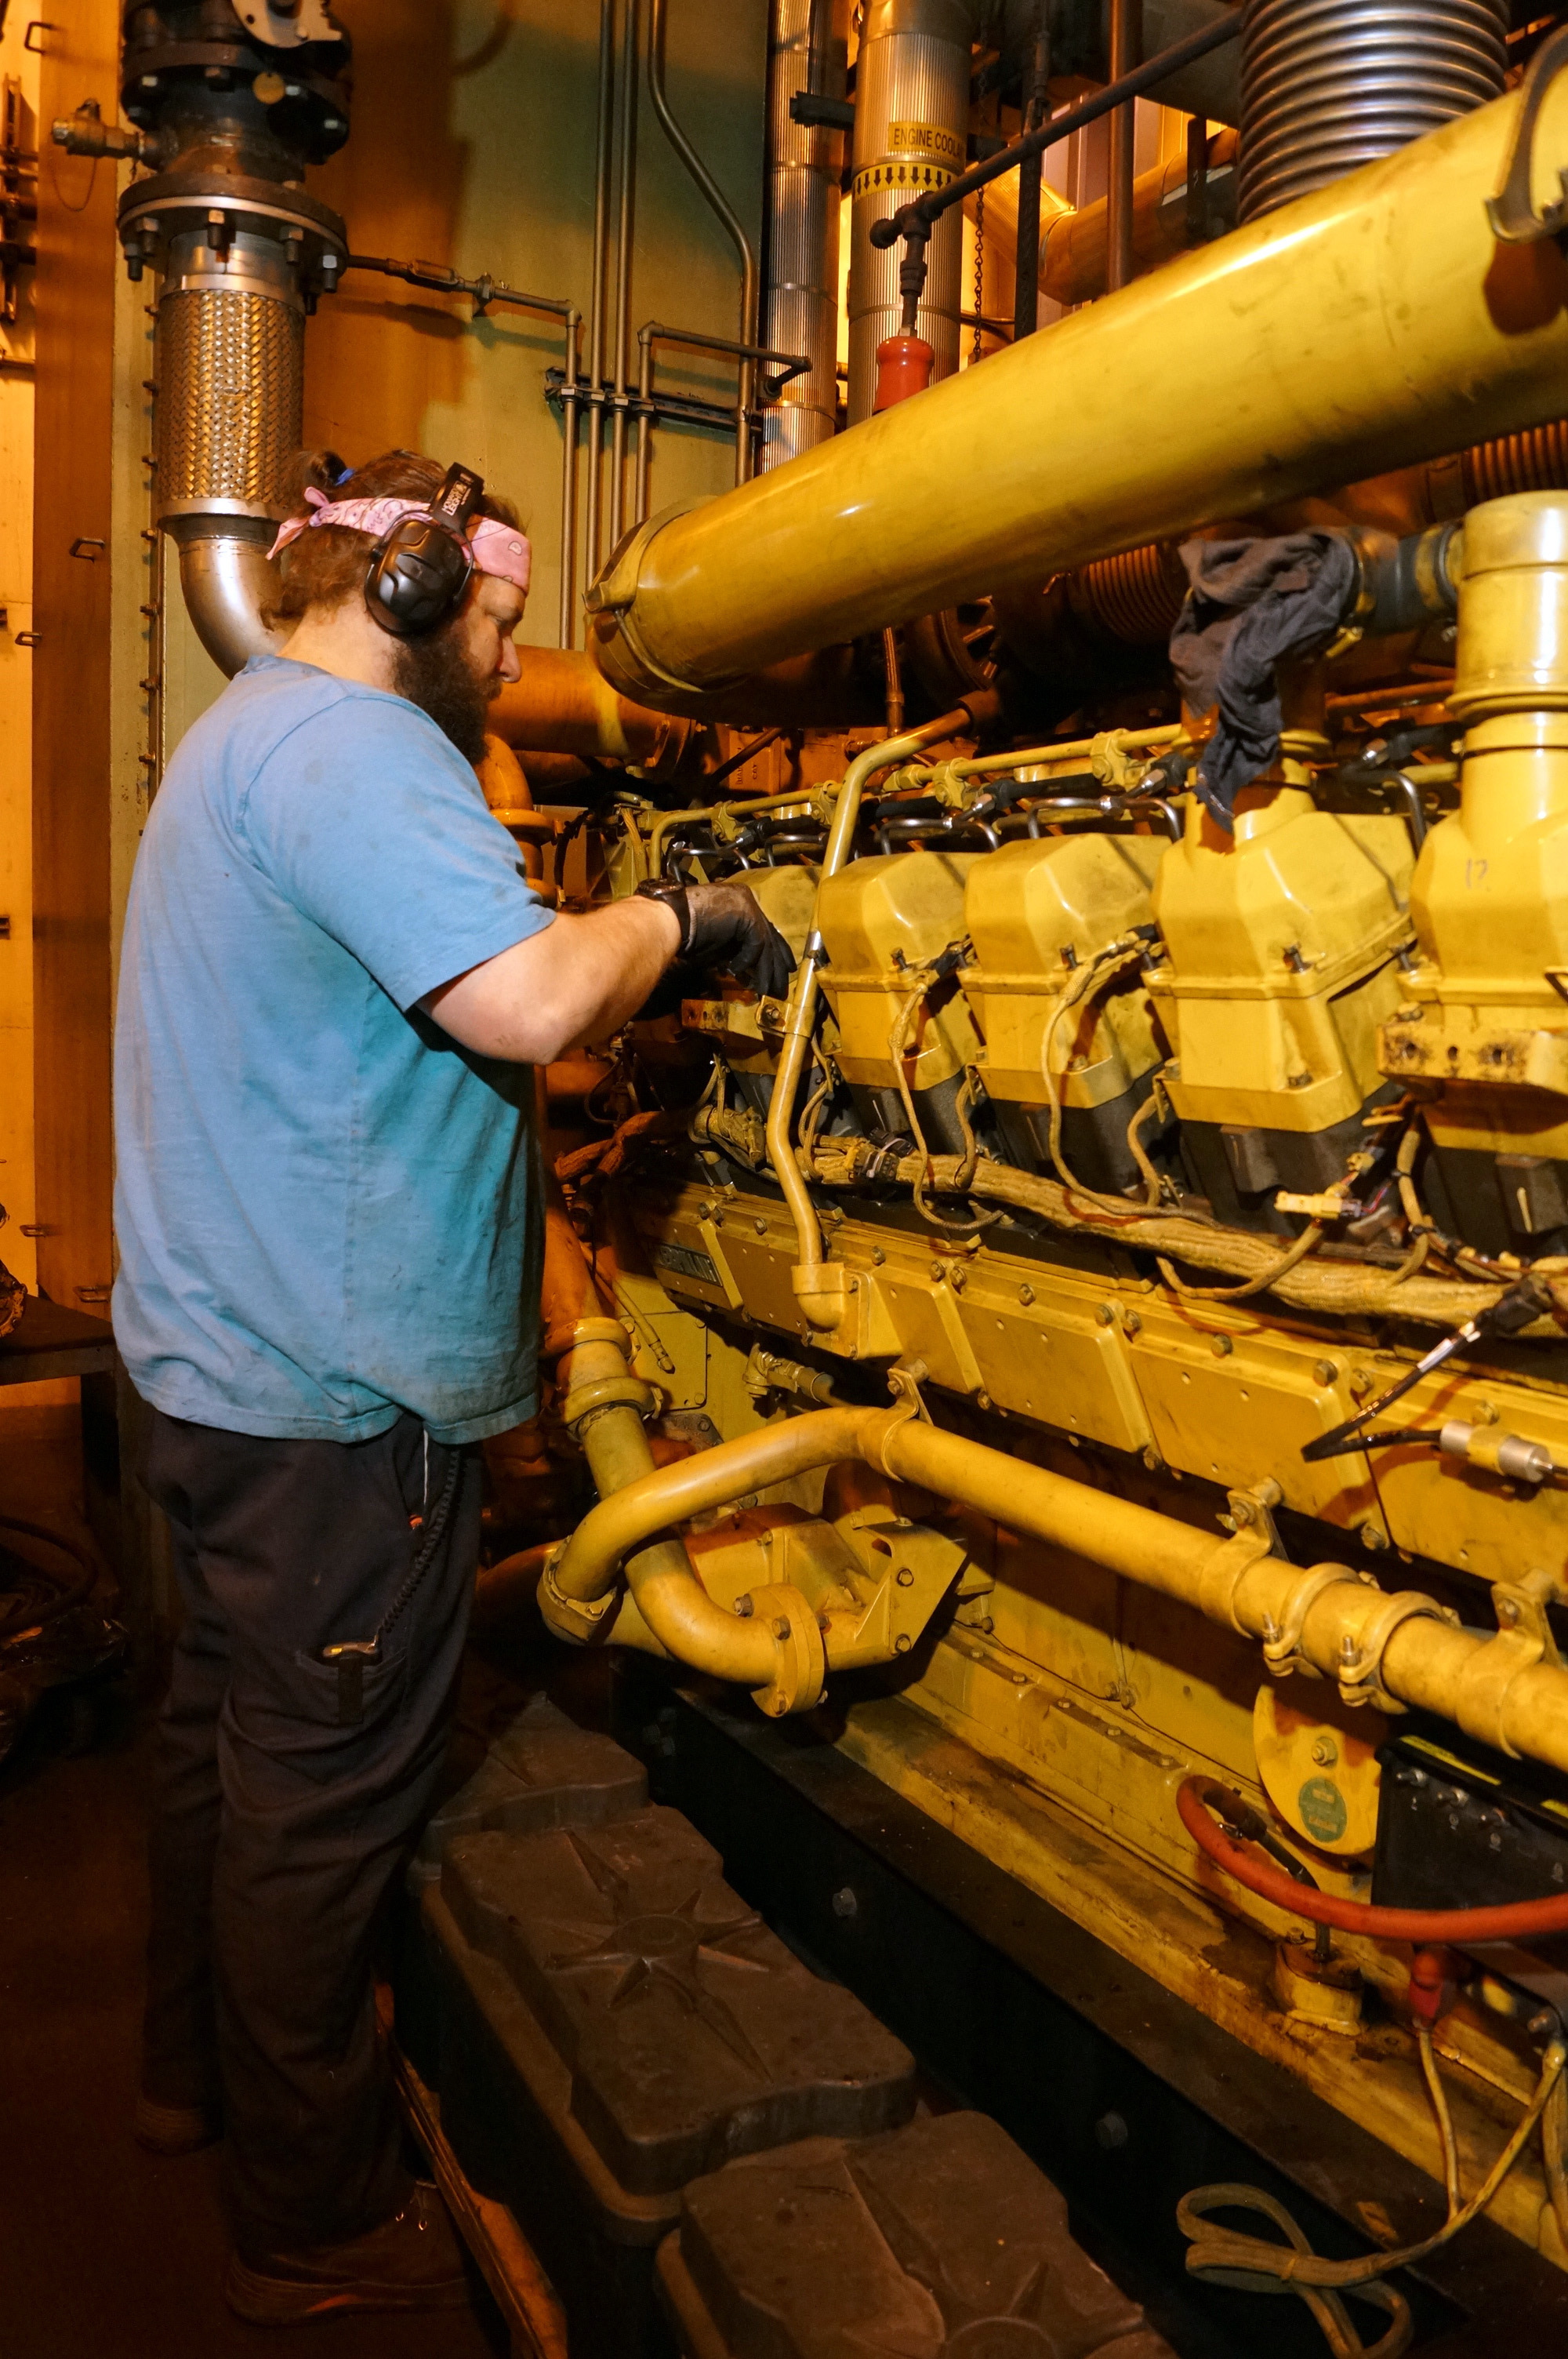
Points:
x=336, y=981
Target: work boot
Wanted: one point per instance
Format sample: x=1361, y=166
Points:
x=175, y=2129
x=413, y=2261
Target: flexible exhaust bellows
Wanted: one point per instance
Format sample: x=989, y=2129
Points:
x=1329, y=85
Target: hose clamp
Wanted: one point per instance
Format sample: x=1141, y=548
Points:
x=575, y=1619
x=1283, y=1634
x=1360, y=1665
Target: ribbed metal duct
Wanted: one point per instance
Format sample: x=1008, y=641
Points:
x=1534, y=461
x=1328, y=85
x=912, y=122
x=800, y=299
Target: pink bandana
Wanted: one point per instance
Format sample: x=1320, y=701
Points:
x=498, y=549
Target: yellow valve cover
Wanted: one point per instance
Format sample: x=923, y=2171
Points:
x=911, y=902
x=1281, y=965
x=1025, y=909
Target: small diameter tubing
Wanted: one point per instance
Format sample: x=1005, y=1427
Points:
x=1516, y=1920
x=803, y=997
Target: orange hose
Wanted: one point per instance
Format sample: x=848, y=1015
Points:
x=1512, y=1921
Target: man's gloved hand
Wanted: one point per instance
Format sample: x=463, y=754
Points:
x=722, y=926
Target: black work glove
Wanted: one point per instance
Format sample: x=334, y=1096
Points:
x=722, y=926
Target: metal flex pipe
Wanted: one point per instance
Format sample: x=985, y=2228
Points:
x=824, y=1308
x=1368, y=326
x=1501, y=1688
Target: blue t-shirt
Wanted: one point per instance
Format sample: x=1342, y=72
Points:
x=328, y=1212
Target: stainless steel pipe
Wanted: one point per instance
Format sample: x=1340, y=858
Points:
x=801, y=298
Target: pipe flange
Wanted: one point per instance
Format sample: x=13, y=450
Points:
x=1282, y=1637
x=587, y=1401
x=575, y=1619
x=800, y=1657
x=1360, y=1666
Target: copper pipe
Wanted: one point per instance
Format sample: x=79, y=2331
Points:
x=1126, y=52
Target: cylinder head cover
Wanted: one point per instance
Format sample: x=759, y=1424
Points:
x=1329, y=85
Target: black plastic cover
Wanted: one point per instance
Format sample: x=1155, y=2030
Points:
x=690, y=2033
x=541, y=1771
x=938, y=2241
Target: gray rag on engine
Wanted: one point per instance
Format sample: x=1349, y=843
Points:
x=1249, y=602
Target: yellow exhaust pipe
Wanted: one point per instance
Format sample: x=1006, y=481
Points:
x=1374, y=324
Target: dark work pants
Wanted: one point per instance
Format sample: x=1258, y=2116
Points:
x=279, y=1825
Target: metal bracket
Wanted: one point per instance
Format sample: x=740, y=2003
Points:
x=1282, y=1638
x=1524, y=1639
x=1253, y=1511
x=1512, y=211
x=1520, y=1608
x=1361, y=1658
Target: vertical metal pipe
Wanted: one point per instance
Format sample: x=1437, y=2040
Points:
x=912, y=122
x=645, y=421
x=1126, y=52
x=1026, y=276
x=566, y=629
x=600, y=256
x=806, y=47
x=726, y=212
x=630, y=61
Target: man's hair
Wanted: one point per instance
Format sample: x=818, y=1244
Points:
x=328, y=565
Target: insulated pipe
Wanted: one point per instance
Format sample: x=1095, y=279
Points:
x=563, y=705
x=801, y=298
x=1500, y=1688
x=1367, y=327
x=911, y=120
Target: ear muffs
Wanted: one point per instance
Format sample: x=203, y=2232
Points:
x=420, y=572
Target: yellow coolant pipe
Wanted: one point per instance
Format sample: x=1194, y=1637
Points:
x=1367, y=327
x=1507, y=1690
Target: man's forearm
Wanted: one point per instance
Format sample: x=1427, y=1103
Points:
x=577, y=980
x=618, y=956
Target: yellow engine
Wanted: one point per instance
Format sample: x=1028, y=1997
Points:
x=1193, y=1198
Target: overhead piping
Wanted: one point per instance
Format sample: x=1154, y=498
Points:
x=1426, y=335
x=244, y=252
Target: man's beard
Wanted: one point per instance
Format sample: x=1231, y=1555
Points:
x=434, y=674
